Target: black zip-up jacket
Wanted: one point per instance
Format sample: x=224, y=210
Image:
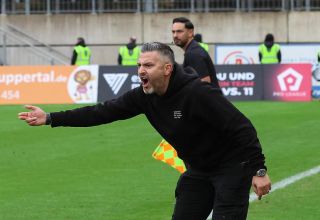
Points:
x=203, y=126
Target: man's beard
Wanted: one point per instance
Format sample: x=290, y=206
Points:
x=179, y=43
x=148, y=91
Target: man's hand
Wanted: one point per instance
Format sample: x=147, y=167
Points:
x=261, y=185
x=206, y=79
x=35, y=117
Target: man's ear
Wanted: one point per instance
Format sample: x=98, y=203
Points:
x=168, y=68
x=190, y=33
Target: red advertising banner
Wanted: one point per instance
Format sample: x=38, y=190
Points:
x=287, y=82
x=48, y=84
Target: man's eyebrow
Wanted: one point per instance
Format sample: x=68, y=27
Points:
x=145, y=63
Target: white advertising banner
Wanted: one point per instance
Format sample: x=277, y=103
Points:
x=316, y=81
x=290, y=53
x=248, y=53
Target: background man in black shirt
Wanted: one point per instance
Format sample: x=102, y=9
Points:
x=195, y=56
x=224, y=159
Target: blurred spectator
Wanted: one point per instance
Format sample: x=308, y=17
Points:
x=269, y=52
x=129, y=54
x=319, y=56
x=81, y=53
x=198, y=38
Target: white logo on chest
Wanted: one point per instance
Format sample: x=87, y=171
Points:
x=177, y=114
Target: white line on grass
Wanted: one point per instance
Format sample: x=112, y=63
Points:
x=285, y=182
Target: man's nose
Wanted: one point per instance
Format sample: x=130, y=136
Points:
x=141, y=70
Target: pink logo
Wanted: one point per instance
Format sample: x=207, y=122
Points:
x=290, y=80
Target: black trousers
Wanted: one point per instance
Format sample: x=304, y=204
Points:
x=225, y=191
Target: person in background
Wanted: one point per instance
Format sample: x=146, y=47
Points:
x=129, y=54
x=195, y=56
x=81, y=53
x=319, y=56
x=269, y=52
x=198, y=38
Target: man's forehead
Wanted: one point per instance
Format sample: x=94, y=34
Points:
x=178, y=25
x=149, y=56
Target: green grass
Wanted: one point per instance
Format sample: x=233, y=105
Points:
x=107, y=172
x=298, y=201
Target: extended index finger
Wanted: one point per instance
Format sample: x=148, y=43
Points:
x=23, y=114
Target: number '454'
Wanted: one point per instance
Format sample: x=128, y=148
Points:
x=10, y=94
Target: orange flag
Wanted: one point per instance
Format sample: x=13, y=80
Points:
x=167, y=154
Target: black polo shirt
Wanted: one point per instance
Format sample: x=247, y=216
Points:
x=197, y=58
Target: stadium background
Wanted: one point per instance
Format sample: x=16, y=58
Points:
x=105, y=29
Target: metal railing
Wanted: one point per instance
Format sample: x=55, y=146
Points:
x=55, y=55
x=18, y=48
x=149, y=6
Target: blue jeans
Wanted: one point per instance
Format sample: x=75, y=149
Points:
x=225, y=191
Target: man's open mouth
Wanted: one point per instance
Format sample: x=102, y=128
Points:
x=144, y=80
